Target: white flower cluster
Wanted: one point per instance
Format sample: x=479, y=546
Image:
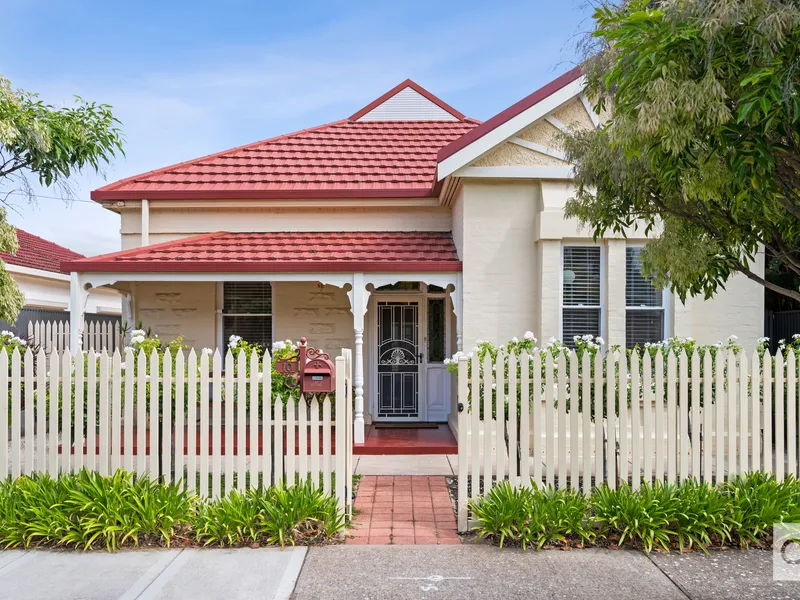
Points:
x=283, y=345
x=10, y=338
x=589, y=339
x=458, y=355
x=208, y=351
x=233, y=341
x=529, y=336
x=763, y=340
x=138, y=336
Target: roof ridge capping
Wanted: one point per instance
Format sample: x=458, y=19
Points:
x=509, y=113
x=408, y=83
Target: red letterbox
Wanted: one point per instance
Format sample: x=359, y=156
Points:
x=310, y=368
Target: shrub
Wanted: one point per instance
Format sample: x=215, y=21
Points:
x=757, y=500
x=279, y=515
x=86, y=510
x=701, y=511
x=531, y=516
x=645, y=516
x=690, y=514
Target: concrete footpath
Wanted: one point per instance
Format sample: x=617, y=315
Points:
x=484, y=572
x=150, y=574
x=389, y=572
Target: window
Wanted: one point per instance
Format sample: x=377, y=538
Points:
x=581, y=292
x=247, y=311
x=436, y=330
x=644, y=314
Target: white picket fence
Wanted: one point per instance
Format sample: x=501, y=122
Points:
x=53, y=336
x=702, y=417
x=213, y=427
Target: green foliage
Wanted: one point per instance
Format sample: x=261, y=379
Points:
x=51, y=143
x=700, y=513
x=87, y=511
x=531, y=516
x=275, y=516
x=645, y=516
x=11, y=297
x=689, y=515
x=757, y=501
x=702, y=139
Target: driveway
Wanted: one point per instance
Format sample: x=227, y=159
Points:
x=150, y=574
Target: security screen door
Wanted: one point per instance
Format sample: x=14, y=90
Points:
x=399, y=360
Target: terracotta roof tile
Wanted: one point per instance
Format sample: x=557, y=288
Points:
x=37, y=253
x=343, y=158
x=286, y=252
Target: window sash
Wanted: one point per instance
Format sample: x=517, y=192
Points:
x=586, y=263
x=637, y=328
x=582, y=301
x=639, y=290
x=255, y=326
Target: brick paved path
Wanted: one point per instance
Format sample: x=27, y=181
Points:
x=403, y=510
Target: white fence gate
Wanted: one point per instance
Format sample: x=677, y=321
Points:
x=210, y=422
x=54, y=335
x=580, y=423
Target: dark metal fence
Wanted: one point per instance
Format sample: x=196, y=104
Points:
x=32, y=315
x=781, y=325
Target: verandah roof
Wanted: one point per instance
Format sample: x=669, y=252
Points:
x=285, y=252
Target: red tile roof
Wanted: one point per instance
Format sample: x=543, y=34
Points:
x=385, y=251
x=512, y=111
x=345, y=158
x=37, y=253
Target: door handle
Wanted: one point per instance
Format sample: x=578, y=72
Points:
x=419, y=357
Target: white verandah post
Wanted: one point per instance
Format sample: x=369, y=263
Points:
x=359, y=297
x=77, y=308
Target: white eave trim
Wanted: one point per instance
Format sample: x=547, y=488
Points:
x=557, y=123
x=590, y=109
x=523, y=172
x=540, y=148
x=31, y=272
x=509, y=129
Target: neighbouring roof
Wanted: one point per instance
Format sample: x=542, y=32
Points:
x=512, y=111
x=383, y=150
x=37, y=253
x=384, y=251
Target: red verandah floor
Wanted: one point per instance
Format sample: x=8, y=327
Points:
x=408, y=441
x=403, y=510
x=377, y=441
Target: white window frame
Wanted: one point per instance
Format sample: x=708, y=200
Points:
x=222, y=344
x=603, y=271
x=666, y=300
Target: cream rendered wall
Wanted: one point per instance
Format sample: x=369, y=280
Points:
x=499, y=292
x=737, y=310
x=320, y=313
x=171, y=309
x=457, y=225
x=167, y=224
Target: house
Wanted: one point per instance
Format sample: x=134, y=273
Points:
x=406, y=231
x=36, y=269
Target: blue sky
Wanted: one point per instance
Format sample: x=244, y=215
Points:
x=190, y=78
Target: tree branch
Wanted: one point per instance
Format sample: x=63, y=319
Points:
x=738, y=266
